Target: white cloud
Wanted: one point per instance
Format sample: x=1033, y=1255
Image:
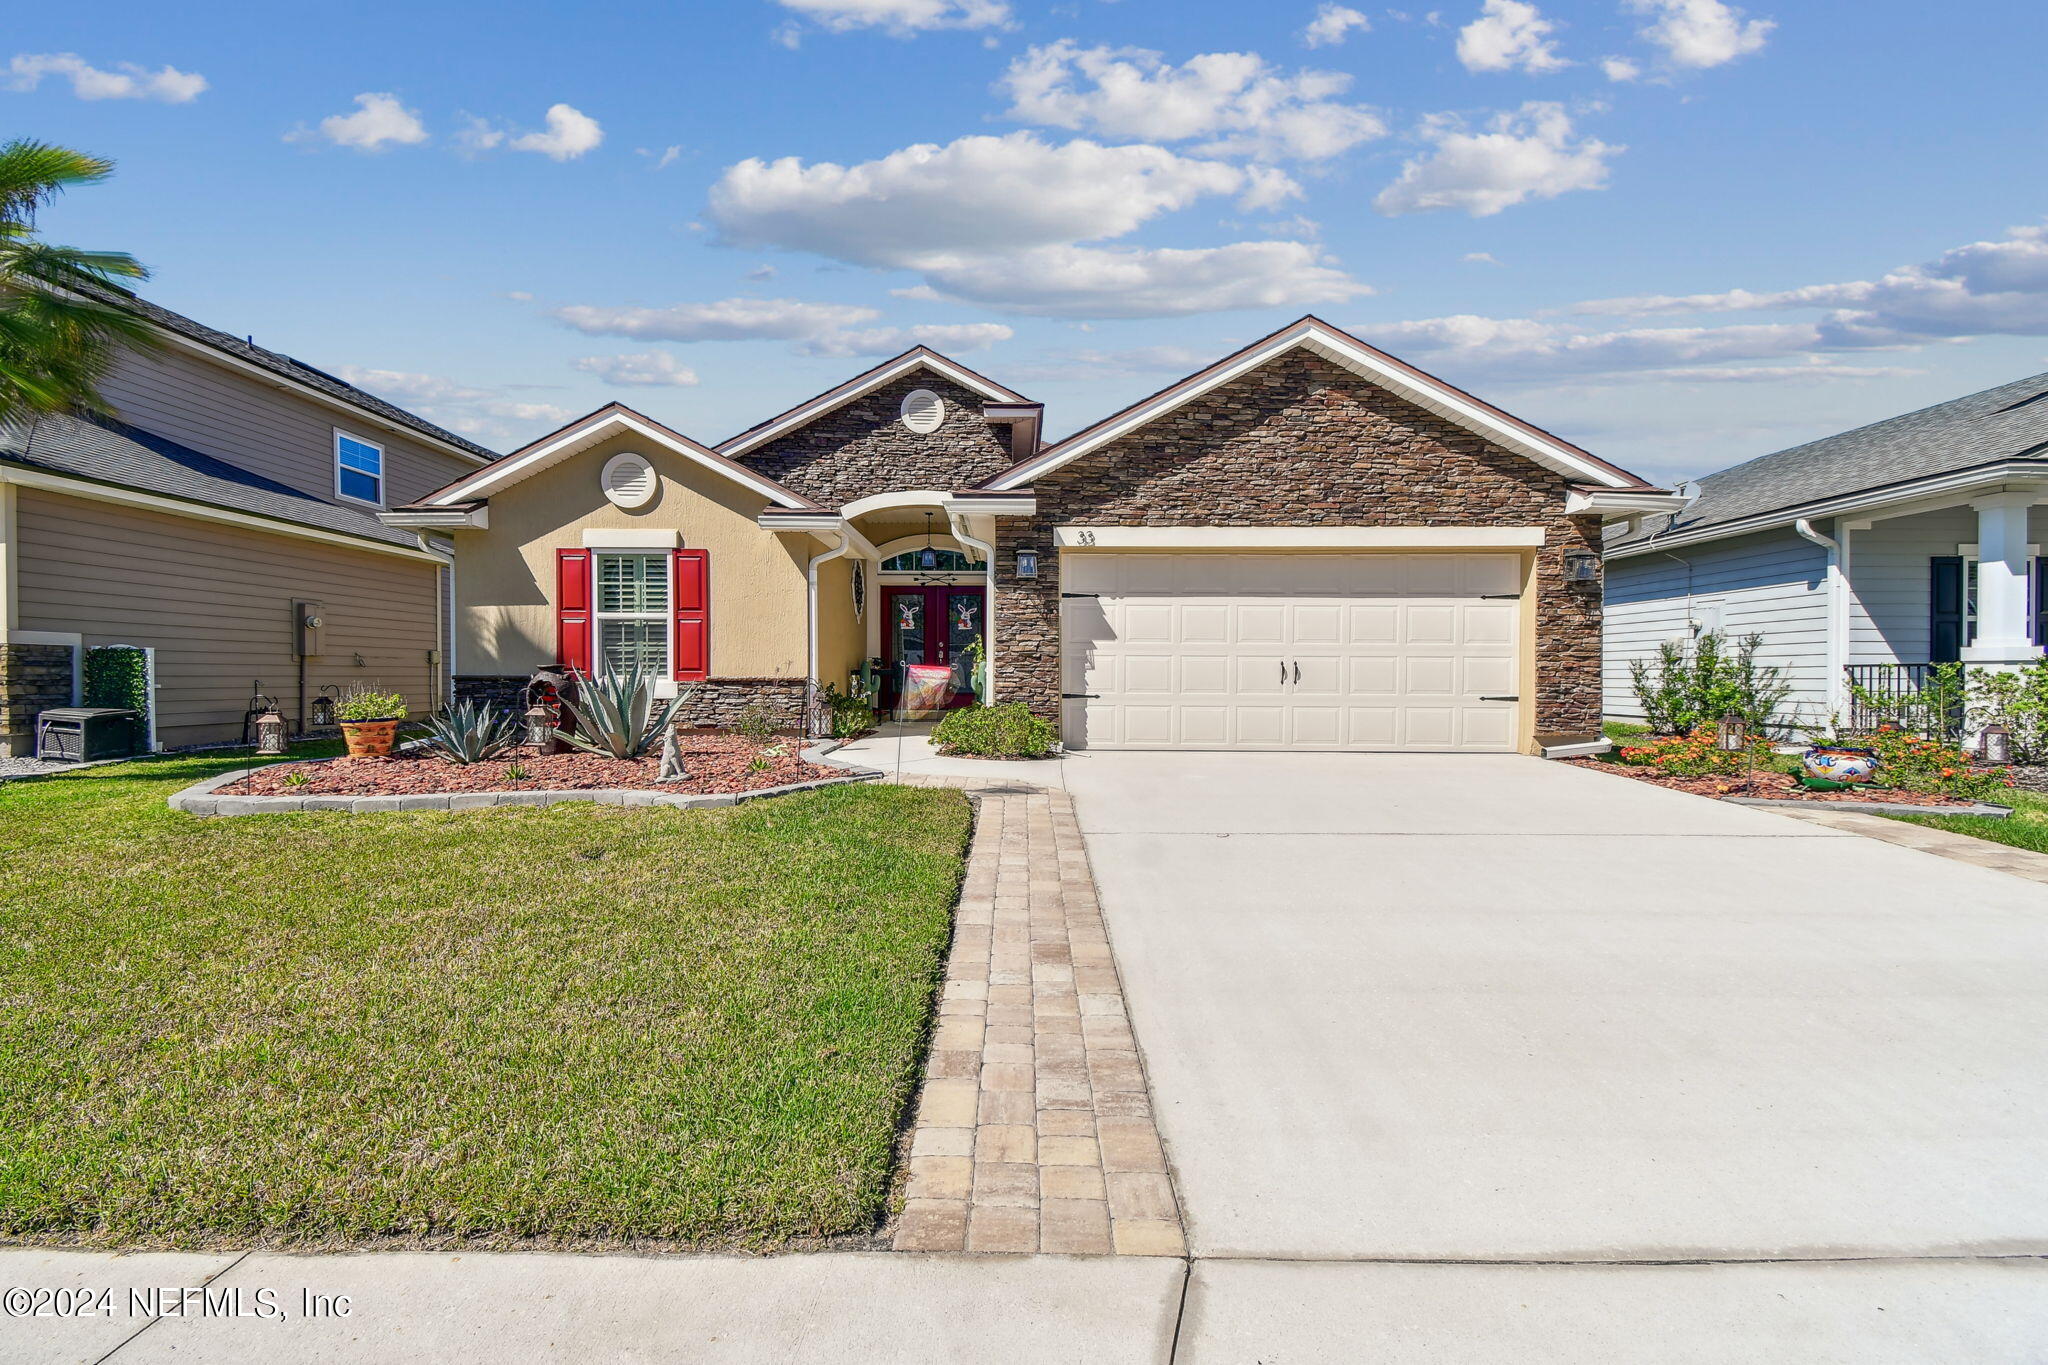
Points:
x=1527, y=154
x=1239, y=103
x=1095, y=365
x=963, y=336
x=723, y=320
x=570, y=133
x=1480, y=258
x=88, y=82
x=976, y=195
x=1620, y=69
x=648, y=370
x=379, y=121
x=1701, y=33
x=669, y=156
x=1333, y=24
x=1509, y=349
x=1506, y=35
x=1130, y=282
x=485, y=415
x=761, y=274
x=1982, y=288
x=899, y=17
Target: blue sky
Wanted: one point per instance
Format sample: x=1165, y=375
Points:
x=1680, y=232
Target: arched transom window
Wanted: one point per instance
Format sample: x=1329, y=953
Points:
x=941, y=561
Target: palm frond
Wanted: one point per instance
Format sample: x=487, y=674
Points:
x=32, y=173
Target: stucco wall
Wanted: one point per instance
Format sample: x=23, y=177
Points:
x=215, y=603
x=842, y=639
x=505, y=576
x=863, y=447
x=1302, y=442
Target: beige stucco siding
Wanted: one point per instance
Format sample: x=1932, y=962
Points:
x=262, y=426
x=842, y=638
x=505, y=576
x=215, y=603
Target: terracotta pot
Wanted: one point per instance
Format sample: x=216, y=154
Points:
x=369, y=738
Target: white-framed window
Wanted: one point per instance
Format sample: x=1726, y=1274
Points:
x=633, y=616
x=358, y=469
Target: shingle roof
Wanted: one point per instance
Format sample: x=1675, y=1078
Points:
x=2006, y=423
x=107, y=451
x=281, y=364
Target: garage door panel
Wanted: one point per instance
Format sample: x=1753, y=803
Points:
x=1292, y=651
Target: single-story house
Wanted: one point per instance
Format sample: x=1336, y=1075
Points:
x=1870, y=555
x=231, y=499
x=1307, y=545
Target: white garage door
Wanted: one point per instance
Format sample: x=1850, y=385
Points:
x=1290, y=651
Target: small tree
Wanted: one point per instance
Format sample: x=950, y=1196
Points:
x=2018, y=700
x=1688, y=689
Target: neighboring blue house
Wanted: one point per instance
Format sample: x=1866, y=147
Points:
x=1872, y=554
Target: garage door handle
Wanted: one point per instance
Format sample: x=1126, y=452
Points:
x=1297, y=670
x=1500, y=699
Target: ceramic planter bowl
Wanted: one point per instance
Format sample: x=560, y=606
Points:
x=1838, y=763
x=369, y=738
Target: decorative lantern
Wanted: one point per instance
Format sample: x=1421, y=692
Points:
x=270, y=733
x=1731, y=736
x=540, y=726
x=323, y=709
x=1581, y=567
x=1027, y=563
x=1994, y=745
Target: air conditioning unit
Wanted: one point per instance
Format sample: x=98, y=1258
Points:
x=81, y=734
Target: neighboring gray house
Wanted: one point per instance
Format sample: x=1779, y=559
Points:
x=1872, y=554
x=234, y=483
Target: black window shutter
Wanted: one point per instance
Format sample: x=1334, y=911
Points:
x=1945, y=609
x=2041, y=600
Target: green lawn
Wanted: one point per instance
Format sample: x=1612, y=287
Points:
x=570, y=1023
x=2026, y=827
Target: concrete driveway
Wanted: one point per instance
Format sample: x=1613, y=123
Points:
x=1482, y=1010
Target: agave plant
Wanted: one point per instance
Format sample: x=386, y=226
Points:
x=614, y=714
x=470, y=732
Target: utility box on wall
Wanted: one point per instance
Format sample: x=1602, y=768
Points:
x=306, y=626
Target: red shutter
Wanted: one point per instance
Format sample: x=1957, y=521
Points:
x=693, y=614
x=572, y=609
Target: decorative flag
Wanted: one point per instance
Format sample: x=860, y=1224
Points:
x=927, y=687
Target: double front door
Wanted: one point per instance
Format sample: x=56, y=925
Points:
x=931, y=626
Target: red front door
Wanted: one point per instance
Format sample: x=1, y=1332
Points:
x=931, y=626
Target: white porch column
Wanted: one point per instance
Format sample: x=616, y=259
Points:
x=2003, y=606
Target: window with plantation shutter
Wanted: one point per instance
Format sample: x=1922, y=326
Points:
x=633, y=613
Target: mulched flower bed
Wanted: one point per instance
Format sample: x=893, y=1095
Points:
x=1772, y=786
x=715, y=763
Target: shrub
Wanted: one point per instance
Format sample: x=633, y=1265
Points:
x=2018, y=700
x=118, y=675
x=364, y=703
x=1006, y=731
x=851, y=715
x=616, y=712
x=754, y=724
x=1915, y=763
x=1696, y=688
x=471, y=732
x=1697, y=754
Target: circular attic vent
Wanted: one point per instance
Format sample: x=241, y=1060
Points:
x=628, y=480
x=923, y=410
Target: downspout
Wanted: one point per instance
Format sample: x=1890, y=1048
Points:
x=844, y=543
x=957, y=524
x=1838, y=618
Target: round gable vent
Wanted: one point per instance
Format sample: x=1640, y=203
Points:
x=628, y=480
x=923, y=410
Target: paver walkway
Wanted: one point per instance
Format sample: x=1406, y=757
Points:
x=1943, y=843
x=1034, y=1131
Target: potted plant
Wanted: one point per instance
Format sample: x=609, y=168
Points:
x=369, y=721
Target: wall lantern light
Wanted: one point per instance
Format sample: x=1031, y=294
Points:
x=1581, y=566
x=1994, y=745
x=1027, y=563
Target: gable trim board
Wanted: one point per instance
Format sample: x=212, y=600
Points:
x=1007, y=405
x=587, y=431
x=1369, y=363
x=129, y=497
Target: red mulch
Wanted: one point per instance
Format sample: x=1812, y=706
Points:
x=715, y=763
x=1772, y=786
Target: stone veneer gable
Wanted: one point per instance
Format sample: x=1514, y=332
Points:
x=1301, y=441
x=862, y=447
